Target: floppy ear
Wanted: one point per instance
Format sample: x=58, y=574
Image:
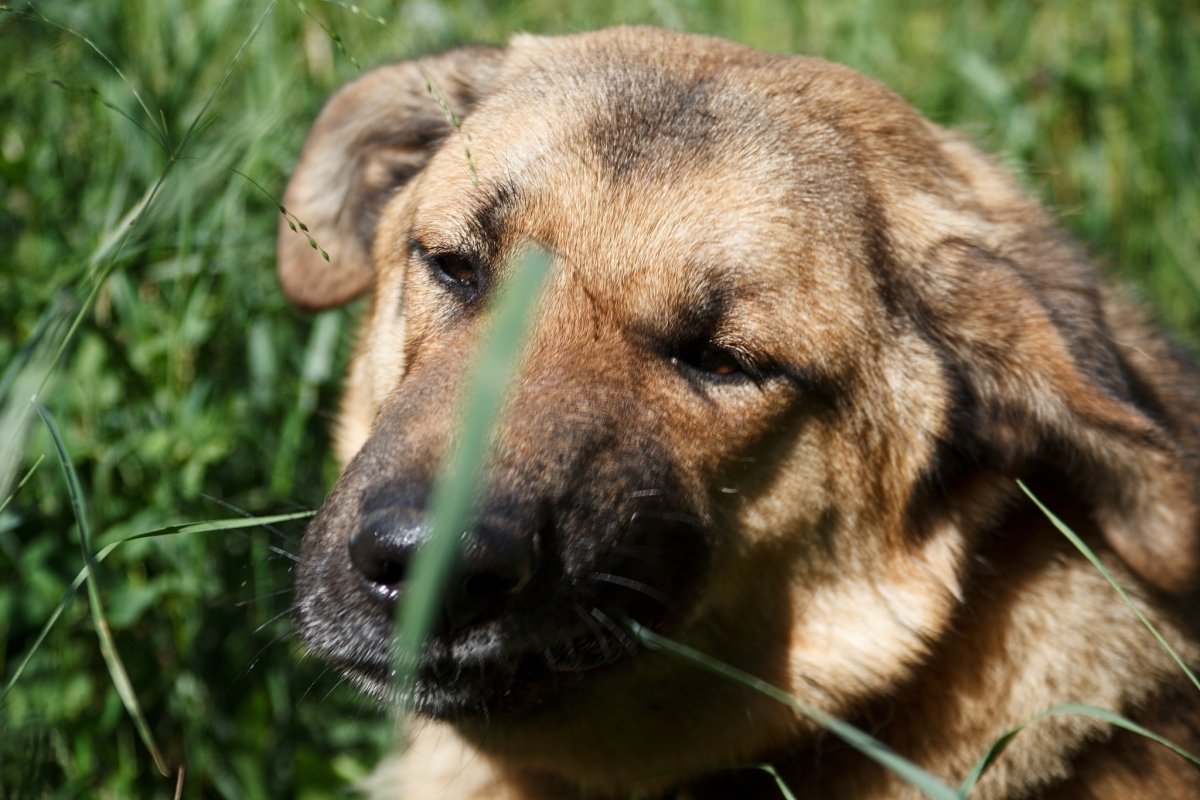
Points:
x=371, y=138
x=1047, y=387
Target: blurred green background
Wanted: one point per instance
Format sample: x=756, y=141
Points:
x=143, y=147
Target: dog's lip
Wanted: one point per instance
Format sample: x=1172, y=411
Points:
x=529, y=668
x=551, y=642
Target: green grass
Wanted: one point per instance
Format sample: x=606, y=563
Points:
x=143, y=146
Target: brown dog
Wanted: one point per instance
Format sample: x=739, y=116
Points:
x=796, y=345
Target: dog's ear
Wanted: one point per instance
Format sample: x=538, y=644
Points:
x=1046, y=387
x=370, y=139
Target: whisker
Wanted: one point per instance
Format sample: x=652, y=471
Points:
x=622, y=636
x=336, y=685
x=597, y=631
x=275, y=618
x=313, y=684
x=670, y=516
x=258, y=656
x=553, y=663
x=634, y=585
x=261, y=598
x=279, y=551
x=487, y=712
x=566, y=651
x=287, y=537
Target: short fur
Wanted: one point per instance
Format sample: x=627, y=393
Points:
x=796, y=345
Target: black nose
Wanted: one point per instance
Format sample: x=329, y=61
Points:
x=497, y=562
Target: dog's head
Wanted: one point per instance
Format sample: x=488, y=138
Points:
x=795, y=344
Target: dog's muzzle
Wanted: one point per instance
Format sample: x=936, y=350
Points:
x=539, y=598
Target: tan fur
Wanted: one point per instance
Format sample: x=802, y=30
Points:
x=871, y=553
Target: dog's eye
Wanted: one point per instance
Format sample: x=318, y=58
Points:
x=455, y=271
x=708, y=358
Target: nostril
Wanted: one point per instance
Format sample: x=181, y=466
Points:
x=497, y=565
x=386, y=573
x=381, y=556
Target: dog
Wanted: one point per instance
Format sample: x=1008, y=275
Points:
x=795, y=349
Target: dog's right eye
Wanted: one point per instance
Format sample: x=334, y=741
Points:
x=455, y=271
x=452, y=270
x=709, y=359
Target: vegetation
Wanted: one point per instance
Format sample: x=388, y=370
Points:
x=143, y=148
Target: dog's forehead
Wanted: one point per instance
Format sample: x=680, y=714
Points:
x=629, y=105
x=599, y=148
x=635, y=159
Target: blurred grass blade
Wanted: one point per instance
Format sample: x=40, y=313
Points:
x=863, y=742
x=21, y=483
x=170, y=530
x=1091, y=556
x=31, y=12
x=224, y=79
x=1095, y=712
x=20, y=381
x=101, y=264
x=108, y=650
x=784, y=790
x=451, y=507
x=116, y=234
x=333, y=35
x=319, y=356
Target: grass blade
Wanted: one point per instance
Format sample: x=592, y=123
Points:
x=103, y=553
x=451, y=507
x=1095, y=712
x=34, y=14
x=784, y=790
x=20, y=381
x=21, y=483
x=863, y=742
x=1091, y=556
x=102, y=263
x=108, y=650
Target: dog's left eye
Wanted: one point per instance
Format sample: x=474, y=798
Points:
x=709, y=359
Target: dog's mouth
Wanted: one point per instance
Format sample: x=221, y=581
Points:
x=522, y=625
x=549, y=642
x=490, y=672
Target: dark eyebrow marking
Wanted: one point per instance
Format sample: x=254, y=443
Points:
x=490, y=212
x=700, y=318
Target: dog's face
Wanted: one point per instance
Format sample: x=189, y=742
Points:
x=791, y=350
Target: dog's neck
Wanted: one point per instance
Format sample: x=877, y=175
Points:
x=1028, y=586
